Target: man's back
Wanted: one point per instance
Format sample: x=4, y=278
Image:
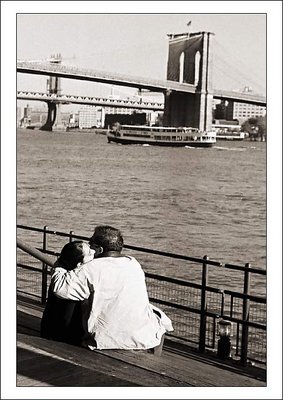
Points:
x=120, y=316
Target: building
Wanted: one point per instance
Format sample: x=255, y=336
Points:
x=244, y=111
x=19, y=116
x=88, y=117
x=231, y=111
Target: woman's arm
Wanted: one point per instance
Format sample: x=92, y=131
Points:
x=71, y=285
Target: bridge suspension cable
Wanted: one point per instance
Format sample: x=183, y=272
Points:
x=235, y=66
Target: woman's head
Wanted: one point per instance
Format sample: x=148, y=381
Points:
x=74, y=253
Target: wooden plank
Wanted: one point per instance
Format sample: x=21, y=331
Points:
x=172, y=368
x=61, y=364
x=189, y=370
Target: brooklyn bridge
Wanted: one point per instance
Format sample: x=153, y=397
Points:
x=188, y=91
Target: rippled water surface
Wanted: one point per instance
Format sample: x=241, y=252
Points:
x=190, y=201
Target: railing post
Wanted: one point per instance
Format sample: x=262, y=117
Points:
x=246, y=307
x=44, y=269
x=71, y=236
x=202, y=328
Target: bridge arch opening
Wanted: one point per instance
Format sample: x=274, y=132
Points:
x=197, y=67
x=181, y=67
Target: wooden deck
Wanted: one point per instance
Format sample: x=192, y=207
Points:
x=42, y=362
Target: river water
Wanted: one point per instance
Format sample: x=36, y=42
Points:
x=190, y=201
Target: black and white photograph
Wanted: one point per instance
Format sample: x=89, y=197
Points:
x=139, y=141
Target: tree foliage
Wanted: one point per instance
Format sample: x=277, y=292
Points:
x=256, y=127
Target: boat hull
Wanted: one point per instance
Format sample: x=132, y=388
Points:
x=127, y=141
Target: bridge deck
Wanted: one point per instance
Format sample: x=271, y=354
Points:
x=42, y=362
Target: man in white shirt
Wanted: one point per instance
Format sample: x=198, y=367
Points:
x=117, y=313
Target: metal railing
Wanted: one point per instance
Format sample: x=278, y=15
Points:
x=194, y=308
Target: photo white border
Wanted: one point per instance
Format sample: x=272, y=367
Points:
x=9, y=9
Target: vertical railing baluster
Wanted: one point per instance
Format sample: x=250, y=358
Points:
x=222, y=302
x=246, y=306
x=44, y=269
x=237, y=339
x=71, y=236
x=202, y=328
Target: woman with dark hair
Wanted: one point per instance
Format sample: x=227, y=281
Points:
x=62, y=319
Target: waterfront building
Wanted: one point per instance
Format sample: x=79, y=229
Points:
x=87, y=117
x=244, y=111
x=241, y=112
x=19, y=116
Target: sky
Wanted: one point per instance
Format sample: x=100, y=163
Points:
x=137, y=45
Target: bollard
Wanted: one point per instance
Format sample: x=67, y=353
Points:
x=224, y=343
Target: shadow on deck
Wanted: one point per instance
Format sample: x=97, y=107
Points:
x=42, y=362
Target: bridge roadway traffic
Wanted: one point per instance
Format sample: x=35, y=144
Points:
x=63, y=71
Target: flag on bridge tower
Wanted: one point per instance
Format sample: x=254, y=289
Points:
x=188, y=25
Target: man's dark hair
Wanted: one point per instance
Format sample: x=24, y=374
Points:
x=107, y=237
x=71, y=254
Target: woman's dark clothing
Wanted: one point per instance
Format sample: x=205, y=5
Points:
x=62, y=320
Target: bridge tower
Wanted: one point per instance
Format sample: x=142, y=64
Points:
x=190, y=61
x=53, y=87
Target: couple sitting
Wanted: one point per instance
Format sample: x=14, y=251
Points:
x=98, y=297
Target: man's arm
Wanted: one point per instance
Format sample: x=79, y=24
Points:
x=71, y=285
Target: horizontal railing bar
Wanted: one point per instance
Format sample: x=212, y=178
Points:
x=30, y=294
x=130, y=247
x=173, y=255
x=241, y=268
x=172, y=280
x=208, y=313
x=151, y=251
x=42, y=257
x=57, y=233
x=50, y=252
x=175, y=305
x=34, y=252
x=30, y=228
x=181, y=282
x=257, y=299
x=238, y=320
x=24, y=266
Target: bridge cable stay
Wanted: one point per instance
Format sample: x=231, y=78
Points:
x=235, y=64
x=236, y=58
x=220, y=71
x=226, y=69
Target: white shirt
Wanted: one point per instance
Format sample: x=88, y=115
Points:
x=119, y=314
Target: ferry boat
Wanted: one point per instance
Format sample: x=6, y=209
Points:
x=228, y=132
x=160, y=136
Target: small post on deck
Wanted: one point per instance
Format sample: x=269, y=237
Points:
x=246, y=309
x=44, y=269
x=202, y=328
